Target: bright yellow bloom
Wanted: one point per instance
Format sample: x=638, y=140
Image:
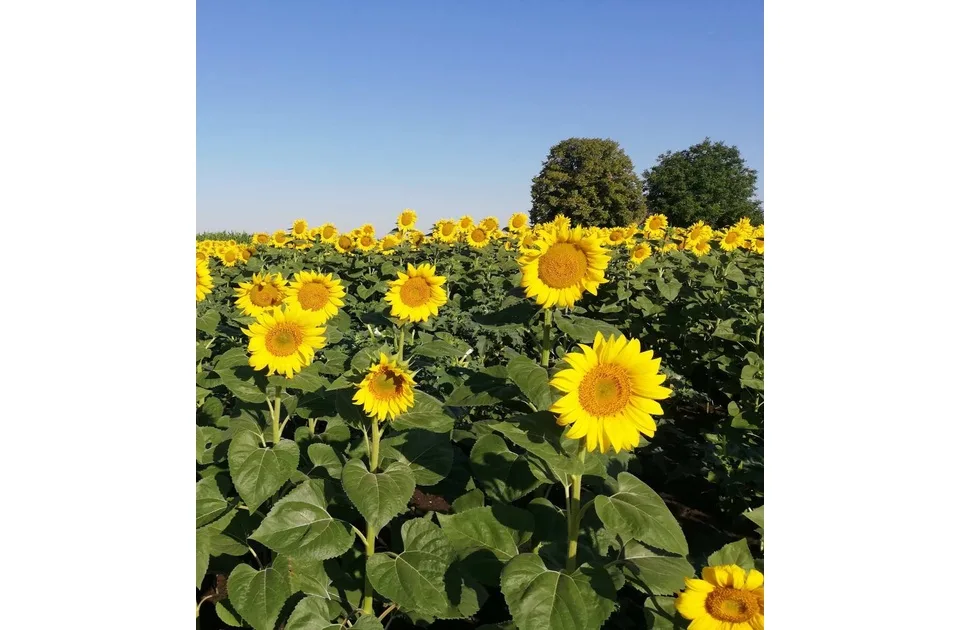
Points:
x=477, y=237
x=757, y=246
x=230, y=255
x=668, y=247
x=316, y=292
x=284, y=341
x=328, y=233
x=345, y=244
x=280, y=238
x=616, y=236
x=758, y=231
x=300, y=229
x=466, y=222
x=406, y=220
x=263, y=292
x=655, y=223
x=386, y=390
x=490, y=224
x=367, y=242
x=611, y=389
x=561, y=266
x=518, y=222
x=640, y=253
x=559, y=222
x=260, y=238
x=743, y=226
x=528, y=240
x=204, y=281
x=731, y=239
x=245, y=252
x=700, y=248
x=201, y=255
x=727, y=598
x=446, y=230
x=416, y=238
x=389, y=243
x=368, y=229
x=417, y=295
x=699, y=231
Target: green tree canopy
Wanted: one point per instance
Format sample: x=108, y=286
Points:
x=589, y=180
x=708, y=182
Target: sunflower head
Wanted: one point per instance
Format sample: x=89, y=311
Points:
x=315, y=292
x=490, y=224
x=731, y=239
x=726, y=597
x=389, y=243
x=640, y=253
x=280, y=238
x=561, y=266
x=260, y=238
x=230, y=255
x=345, y=243
x=387, y=389
x=466, y=222
x=300, y=229
x=284, y=341
x=368, y=229
x=757, y=246
x=699, y=231
x=446, y=231
x=406, y=220
x=328, y=233
x=264, y=292
x=655, y=223
x=204, y=281
x=366, y=242
x=610, y=391
x=668, y=247
x=416, y=238
x=417, y=295
x=477, y=237
x=518, y=222
x=700, y=248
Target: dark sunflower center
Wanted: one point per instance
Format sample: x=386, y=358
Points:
x=415, y=292
x=604, y=390
x=264, y=295
x=283, y=339
x=313, y=296
x=562, y=266
x=730, y=604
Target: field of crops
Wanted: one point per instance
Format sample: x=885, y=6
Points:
x=477, y=425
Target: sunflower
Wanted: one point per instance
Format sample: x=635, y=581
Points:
x=743, y=226
x=368, y=229
x=610, y=391
x=328, y=233
x=367, y=242
x=477, y=237
x=416, y=295
x=312, y=291
x=201, y=255
x=727, y=598
x=731, y=239
x=416, y=238
x=345, y=244
x=528, y=239
x=406, y=220
x=561, y=266
x=699, y=231
x=668, y=247
x=229, y=255
x=757, y=246
x=560, y=222
x=446, y=230
x=490, y=224
x=280, y=238
x=518, y=222
x=260, y=238
x=758, y=231
x=655, y=223
x=386, y=390
x=389, y=243
x=264, y=292
x=700, y=248
x=640, y=253
x=245, y=252
x=204, y=281
x=300, y=229
x=616, y=236
x=284, y=341
x=466, y=222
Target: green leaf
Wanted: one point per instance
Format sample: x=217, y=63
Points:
x=636, y=511
x=307, y=575
x=325, y=457
x=437, y=349
x=245, y=383
x=468, y=501
x=737, y=553
x=543, y=599
x=533, y=381
x=203, y=554
x=583, y=329
x=313, y=613
x=539, y=433
x=208, y=322
x=258, y=472
x=378, y=496
x=211, y=503
x=654, y=573
x=228, y=615
x=732, y=272
x=669, y=290
x=258, y=595
x=755, y=515
x=502, y=474
x=486, y=537
x=660, y=614
x=427, y=413
x=300, y=526
x=429, y=455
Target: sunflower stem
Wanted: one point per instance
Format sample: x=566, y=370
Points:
x=275, y=413
x=403, y=330
x=573, y=515
x=545, y=343
x=371, y=536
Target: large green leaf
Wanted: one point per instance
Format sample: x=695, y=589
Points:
x=539, y=433
x=584, y=329
x=211, y=503
x=502, y=474
x=203, y=554
x=660, y=613
x=313, y=613
x=258, y=595
x=258, y=472
x=244, y=382
x=379, y=496
x=429, y=455
x=636, y=511
x=543, y=599
x=486, y=537
x=427, y=413
x=300, y=526
x=208, y=322
x=423, y=578
x=533, y=381
x=737, y=552
x=324, y=456
x=654, y=573
x=436, y=349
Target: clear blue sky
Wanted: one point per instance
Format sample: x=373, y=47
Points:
x=351, y=111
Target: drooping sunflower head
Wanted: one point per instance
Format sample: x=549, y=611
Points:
x=260, y=239
x=245, y=252
x=640, y=253
x=345, y=244
x=299, y=229
x=264, y=292
x=406, y=220
x=477, y=237
x=561, y=265
x=368, y=229
x=389, y=243
x=316, y=292
x=731, y=239
x=446, y=231
x=386, y=390
x=610, y=391
x=490, y=223
x=518, y=222
x=417, y=295
x=280, y=238
x=328, y=233
x=204, y=281
x=726, y=597
x=367, y=242
x=416, y=238
x=700, y=248
x=284, y=341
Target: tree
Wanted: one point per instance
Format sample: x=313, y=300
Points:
x=708, y=182
x=589, y=180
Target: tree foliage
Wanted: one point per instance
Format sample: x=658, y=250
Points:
x=589, y=180
x=708, y=181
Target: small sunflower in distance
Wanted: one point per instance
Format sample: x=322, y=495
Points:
x=230, y=255
x=300, y=229
x=518, y=222
x=204, y=281
x=699, y=231
x=562, y=265
x=465, y=222
x=368, y=229
x=345, y=244
x=446, y=231
x=727, y=598
x=260, y=238
x=316, y=292
x=640, y=253
x=386, y=390
x=328, y=233
x=280, y=238
x=490, y=224
x=417, y=295
x=731, y=239
x=655, y=223
x=610, y=391
x=416, y=238
x=700, y=248
x=284, y=341
x=406, y=220
x=477, y=237
x=367, y=243
x=263, y=292
x=389, y=243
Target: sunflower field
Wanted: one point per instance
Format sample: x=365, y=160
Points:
x=549, y=427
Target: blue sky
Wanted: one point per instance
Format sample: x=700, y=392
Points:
x=351, y=111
